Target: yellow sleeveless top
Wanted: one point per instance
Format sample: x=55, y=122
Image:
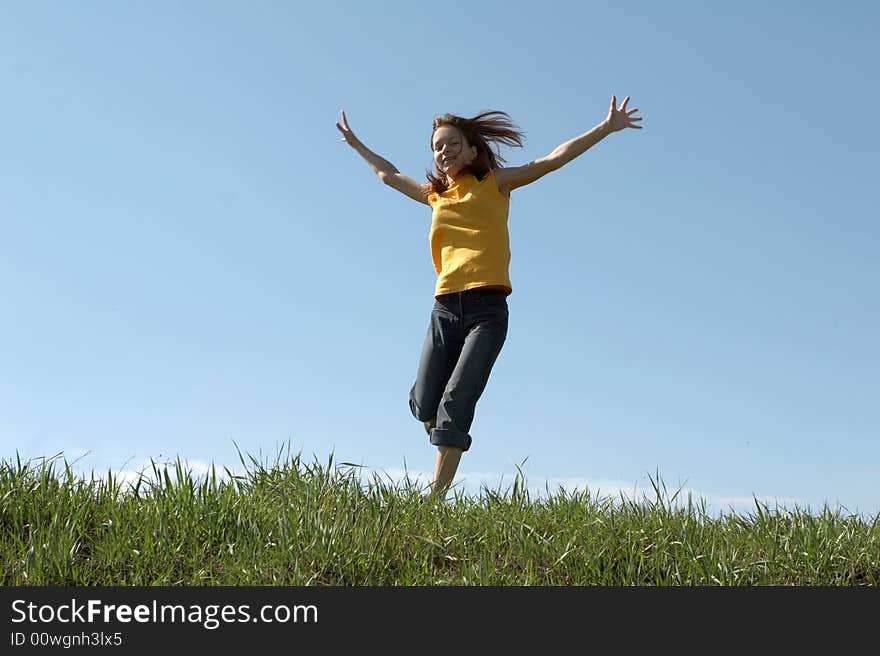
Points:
x=470, y=244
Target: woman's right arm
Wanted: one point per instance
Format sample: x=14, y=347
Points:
x=386, y=171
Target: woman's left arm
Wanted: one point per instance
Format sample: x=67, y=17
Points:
x=509, y=179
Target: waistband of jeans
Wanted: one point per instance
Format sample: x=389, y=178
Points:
x=479, y=292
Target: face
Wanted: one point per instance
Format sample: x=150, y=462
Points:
x=451, y=150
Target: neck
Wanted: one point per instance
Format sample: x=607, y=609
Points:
x=451, y=178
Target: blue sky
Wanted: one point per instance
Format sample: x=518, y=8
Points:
x=192, y=259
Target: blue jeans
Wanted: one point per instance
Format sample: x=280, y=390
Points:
x=465, y=336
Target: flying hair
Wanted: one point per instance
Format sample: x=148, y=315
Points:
x=488, y=131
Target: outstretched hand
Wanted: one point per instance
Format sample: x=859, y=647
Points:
x=347, y=135
x=619, y=119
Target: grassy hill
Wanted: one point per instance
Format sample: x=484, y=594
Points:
x=297, y=523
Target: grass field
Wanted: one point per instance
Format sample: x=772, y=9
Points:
x=290, y=522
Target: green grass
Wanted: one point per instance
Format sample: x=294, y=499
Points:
x=295, y=523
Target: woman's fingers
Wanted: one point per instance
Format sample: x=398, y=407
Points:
x=347, y=134
x=344, y=127
x=621, y=118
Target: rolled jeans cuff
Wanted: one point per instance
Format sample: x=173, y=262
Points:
x=446, y=437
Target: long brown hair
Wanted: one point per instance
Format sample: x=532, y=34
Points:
x=485, y=131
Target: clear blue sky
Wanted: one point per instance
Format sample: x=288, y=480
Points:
x=189, y=254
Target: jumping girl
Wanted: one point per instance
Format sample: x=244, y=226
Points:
x=469, y=196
